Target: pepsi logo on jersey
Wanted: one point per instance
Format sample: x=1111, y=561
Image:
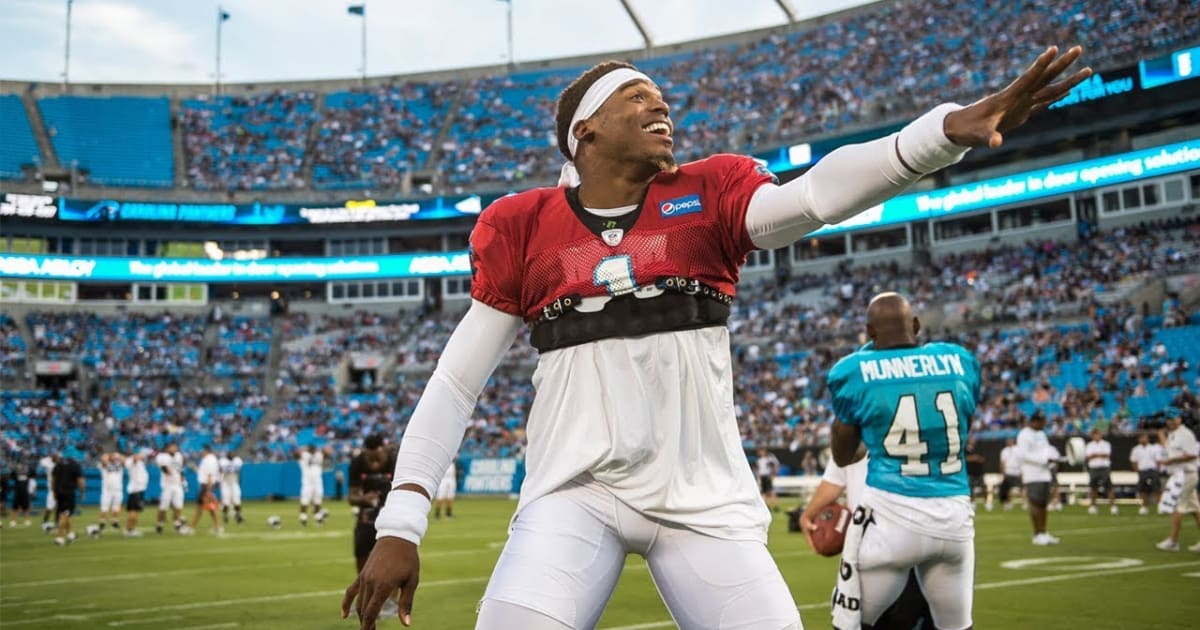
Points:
x=688, y=204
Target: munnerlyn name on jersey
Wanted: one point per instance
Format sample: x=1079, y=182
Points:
x=911, y=366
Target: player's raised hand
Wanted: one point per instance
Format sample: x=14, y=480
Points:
x=393, y=564
x=984, y=122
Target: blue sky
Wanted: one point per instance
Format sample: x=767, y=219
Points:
x=173, y=41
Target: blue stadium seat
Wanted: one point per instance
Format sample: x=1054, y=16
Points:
x=119, y=140
x=18, y=147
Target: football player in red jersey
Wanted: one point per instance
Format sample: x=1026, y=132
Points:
x=624, y=274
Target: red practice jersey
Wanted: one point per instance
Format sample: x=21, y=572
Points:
x=671, y=264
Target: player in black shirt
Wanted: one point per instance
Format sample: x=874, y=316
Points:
x=67, y=479
x=370, y=481
x=4, y=479
x=21, y=497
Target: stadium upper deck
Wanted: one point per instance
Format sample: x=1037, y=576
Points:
x=488, y=130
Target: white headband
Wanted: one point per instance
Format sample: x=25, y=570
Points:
x=595, y=96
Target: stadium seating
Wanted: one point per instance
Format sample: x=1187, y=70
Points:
x=882, y=64
x=241, y=350
x=42, y=422
x=19, y=146
x=1097, y=363
x=12, y=349
x=119, y=140
x=374, y=137
x=240, y=143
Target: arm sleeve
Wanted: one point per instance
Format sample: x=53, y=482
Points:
x=440, y=419
x=851, y=179
x=834, y=474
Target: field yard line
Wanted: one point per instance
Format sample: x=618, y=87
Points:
x=152, y=574
x=72, y=557
x=1082, y=574
x=228, y=602
x=1079, y=530
x=134, y=622
x=33, y=603
x=989, y=585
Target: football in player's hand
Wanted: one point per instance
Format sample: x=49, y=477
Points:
x=830, y=533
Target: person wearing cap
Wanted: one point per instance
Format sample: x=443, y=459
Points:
x=624, y=274
x=66, y=482
x=1182, y=466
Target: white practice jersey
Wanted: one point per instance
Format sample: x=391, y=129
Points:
x=139, y=477
x=47, y=464
x=172, y=469
x=1146, y=456
x=767, y=466
x=231, y=469
x=112, y=473
x=312, y=465
x=1181, y=442
x=1036, y=455
x=209, y=471
x=1010, y=461
x=852, y=478
x=1102, y=448
x=662, y=437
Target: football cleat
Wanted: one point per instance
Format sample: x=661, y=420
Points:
x=274, y=522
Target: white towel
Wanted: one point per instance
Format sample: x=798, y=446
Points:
x=847, y=595
x=1172, y=493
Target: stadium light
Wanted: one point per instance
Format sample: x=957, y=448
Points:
x=66, y=74
x=361, y=11
x=222, y=17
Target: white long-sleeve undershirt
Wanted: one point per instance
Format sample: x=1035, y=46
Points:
x=844, y=183
x=849, y=180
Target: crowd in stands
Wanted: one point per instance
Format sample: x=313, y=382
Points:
x=151, y=413
x=34, y=423
x=379, y=134
x=12, y=349
x=1108, y=363
x=131, y=345
x=885, y=62
x=244, y=344
x=247, y=142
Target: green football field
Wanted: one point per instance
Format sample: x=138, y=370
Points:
x=1105, y=574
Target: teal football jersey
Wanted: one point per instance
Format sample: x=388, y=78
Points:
x=914, y=406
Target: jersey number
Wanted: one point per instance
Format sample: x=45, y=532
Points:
x=615, y=273
x=903, y=440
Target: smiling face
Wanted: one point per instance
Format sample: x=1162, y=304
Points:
x=633, y=125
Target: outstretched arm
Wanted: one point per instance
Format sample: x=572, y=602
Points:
x=855, y=177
